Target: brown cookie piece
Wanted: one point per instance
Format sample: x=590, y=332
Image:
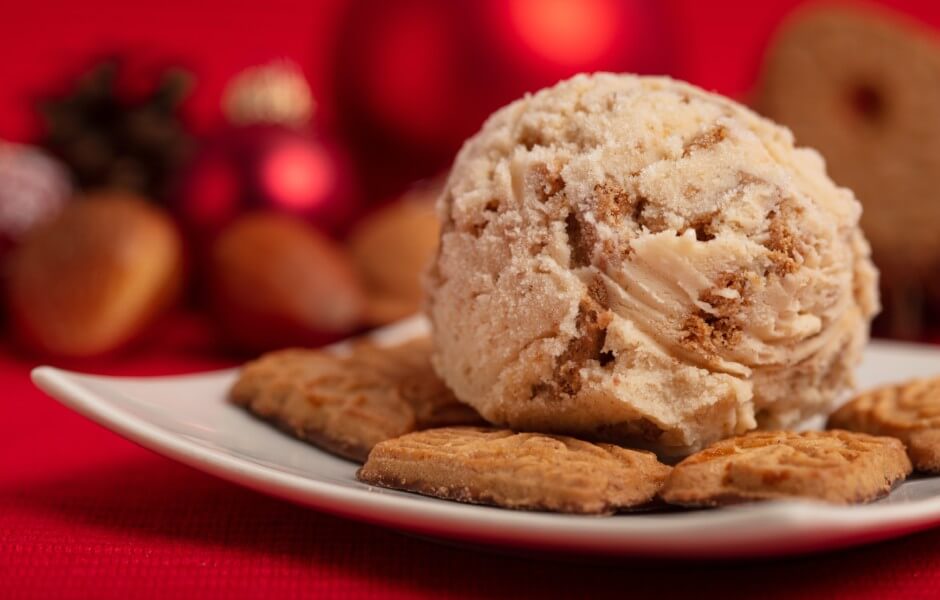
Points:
x=909, y=411
x=516, y=470
x=839, y=467
x=862, y=86
x=347, y=404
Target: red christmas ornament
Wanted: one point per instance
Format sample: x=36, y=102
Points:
x=415, y=78
x=264, y=166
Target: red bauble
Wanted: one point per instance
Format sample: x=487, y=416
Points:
x=268, y=167
x=415, y=78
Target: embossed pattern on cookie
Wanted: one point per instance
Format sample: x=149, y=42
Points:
x=839, y=467
x=409, y=367
x=516, y=470
x=347, y=404
x=909, y=411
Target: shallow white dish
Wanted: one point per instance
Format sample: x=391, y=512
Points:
x=188, y=419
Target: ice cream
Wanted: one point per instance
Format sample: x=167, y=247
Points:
x=636, y=260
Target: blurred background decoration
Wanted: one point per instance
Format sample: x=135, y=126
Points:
x=34, y=187
x=117, y=126
x=863, y=88
x=412, y=79
x=272, y=167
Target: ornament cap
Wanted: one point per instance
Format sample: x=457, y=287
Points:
x=276, y=92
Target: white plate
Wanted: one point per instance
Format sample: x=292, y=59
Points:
x=187, y=418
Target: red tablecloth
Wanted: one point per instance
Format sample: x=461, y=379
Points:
x=85, y=514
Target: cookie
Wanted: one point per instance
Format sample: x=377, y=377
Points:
x=409, y=365
x=862, y=86
x=909, y=411
x=347, y=404
x=839, y=467
x=529, y=471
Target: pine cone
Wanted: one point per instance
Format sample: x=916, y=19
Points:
x=110, y=140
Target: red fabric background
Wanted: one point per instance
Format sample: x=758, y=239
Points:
x=86, y=514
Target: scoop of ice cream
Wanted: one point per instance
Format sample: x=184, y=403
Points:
x=637, y=260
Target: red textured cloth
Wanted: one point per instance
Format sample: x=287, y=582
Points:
x=86, y=514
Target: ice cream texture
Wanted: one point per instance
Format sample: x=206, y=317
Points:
x=636, y=260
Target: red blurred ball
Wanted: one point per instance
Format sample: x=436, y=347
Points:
x=264, y=166
x=415, y=78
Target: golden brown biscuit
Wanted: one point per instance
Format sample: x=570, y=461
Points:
x=840, y=467
x=516, y=470
x=347, y=404
x=909, y=411
x=409, y=365
x=862, y=86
